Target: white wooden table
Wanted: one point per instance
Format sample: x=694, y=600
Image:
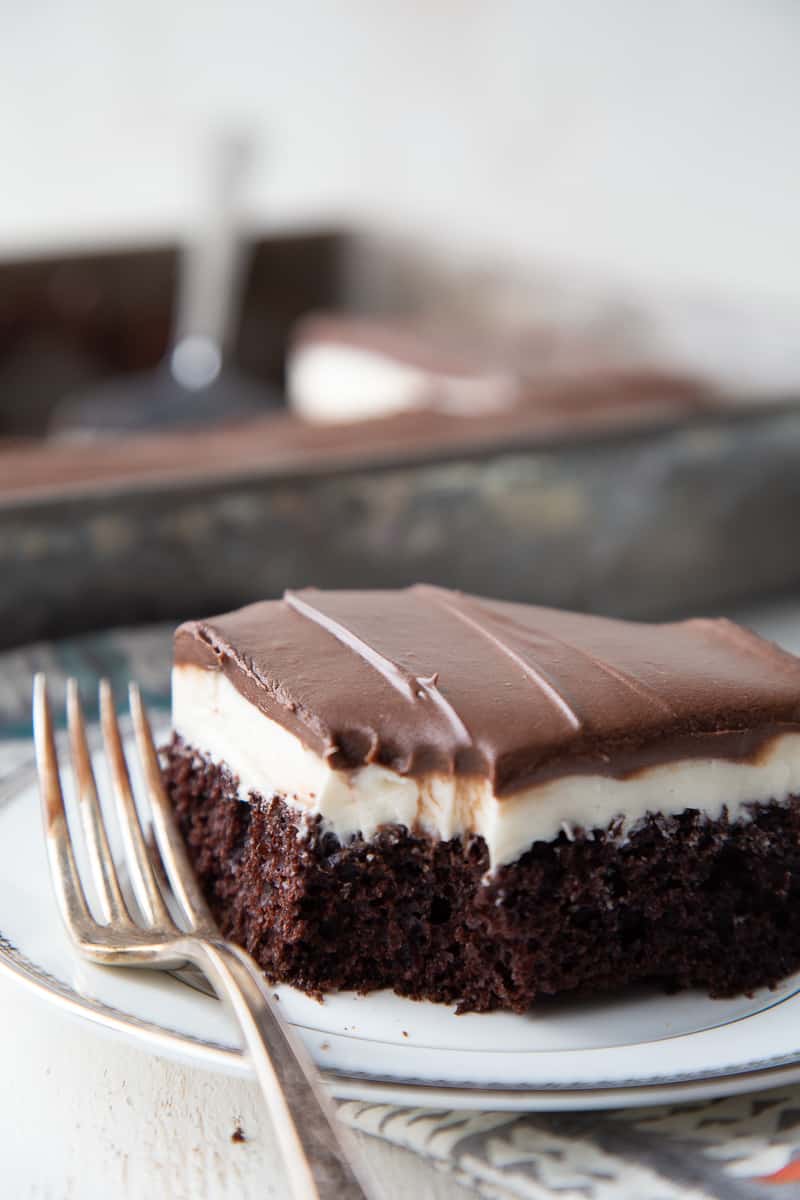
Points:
x=86, y=1116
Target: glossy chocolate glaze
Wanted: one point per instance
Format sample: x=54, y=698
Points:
x=428, y=680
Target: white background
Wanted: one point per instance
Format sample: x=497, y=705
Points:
x=654, y=141
x=86, y=1116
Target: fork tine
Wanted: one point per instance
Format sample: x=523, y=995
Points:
x=173, y=852
x=63, y=869
x=95, y=835
x=143, y=878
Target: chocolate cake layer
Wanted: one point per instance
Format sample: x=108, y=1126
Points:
x=429, y=682
x=684, y=900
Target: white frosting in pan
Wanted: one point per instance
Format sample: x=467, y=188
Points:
x=331, y=381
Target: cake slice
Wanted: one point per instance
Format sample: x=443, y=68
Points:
x=349, y=368
x=481, y=802
x=342, y=368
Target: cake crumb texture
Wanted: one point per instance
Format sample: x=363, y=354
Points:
x=685, y=901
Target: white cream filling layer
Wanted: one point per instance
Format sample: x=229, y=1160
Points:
x=332, y=382
x=216, y=720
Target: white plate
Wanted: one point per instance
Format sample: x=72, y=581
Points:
x=639, y=1048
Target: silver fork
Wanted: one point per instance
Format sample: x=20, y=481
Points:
x=314, y=1145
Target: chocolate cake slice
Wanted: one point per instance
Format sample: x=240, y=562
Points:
x=483, y=803
x=347, y=368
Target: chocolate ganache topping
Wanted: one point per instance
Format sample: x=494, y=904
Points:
x=427, y=680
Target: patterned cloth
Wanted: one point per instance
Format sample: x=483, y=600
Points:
x=740, y=1148
x=737, y=1149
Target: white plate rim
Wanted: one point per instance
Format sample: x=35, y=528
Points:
x=423, y=1095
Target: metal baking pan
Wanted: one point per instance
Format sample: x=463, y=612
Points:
x=675, y=516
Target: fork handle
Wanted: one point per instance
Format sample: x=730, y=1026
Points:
x=310, y=1135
